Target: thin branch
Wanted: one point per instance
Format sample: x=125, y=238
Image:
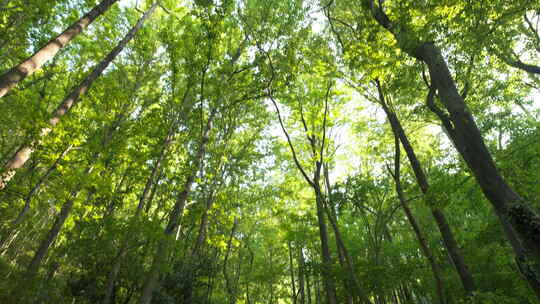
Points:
x=324, y=122
x=298, y=165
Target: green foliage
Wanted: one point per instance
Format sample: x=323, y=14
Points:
x=250, y=228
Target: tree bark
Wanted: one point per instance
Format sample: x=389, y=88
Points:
x=228, y=285
x=175, y=215
x=342, y=249
x=40, y=253
x=522, y=257
x=38, y=185
x=113, y=274
x=464, y=132
x=25, y=151
x=10, y=79
x=416, y=228
x=291, y=268
x=328, y=280
x=421, y=179
x=203, y=227
x=30, y=195
x=301, y=274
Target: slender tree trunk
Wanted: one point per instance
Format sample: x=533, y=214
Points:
x=416, y=228
x=175, y=215
x=10, y=79
x=38, y=185
x=230, y=289
x=199, y=243
x=446, y=233
x=522, y=257
x=203, y=226
x=301, y=274
x=308, y=285
x=291, y=268
x=155, y=170
x=349, y=290
x=30, y=195
x=464, y=132
x=24, y=152
x=111, y=278
x=342, y=249
x=40, y=253
x=328, y=280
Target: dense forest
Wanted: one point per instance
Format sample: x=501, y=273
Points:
x=270, y=151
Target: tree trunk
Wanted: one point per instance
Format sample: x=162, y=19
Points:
x=40, y=253
x=342, y=249
x=446, y=233
x=30, y=195
x=470, y=144
x=38, y=185
x=301, y=274
x=291, y=268
x=423, y=242
x=308, y=285
x=464, y=132
x=175, y=215
x=328, y=280
x=23, y=153
x=203, y=227
x=522, y=257
x=230, y=289
x=416, y=228
x=10, y=79
x=111, y=279
x=199, y=243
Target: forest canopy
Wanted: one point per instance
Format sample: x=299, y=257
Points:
x=270, y=151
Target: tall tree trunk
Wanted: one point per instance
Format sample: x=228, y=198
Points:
x=10, y=79
x=342, y=249
x=38, y=185
x=123, y=250
x=199, y=243
x=291, y=268
x=23, y=153
x=446, y=233
x=328, y=280
x=464, y=132
x=230, y=290
x=308, y=286
x=30, y=195
x=522, y=257
x=301, y=274
x=203, y=226
x=416, y=228
x=40, y=253
x=175, y=215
